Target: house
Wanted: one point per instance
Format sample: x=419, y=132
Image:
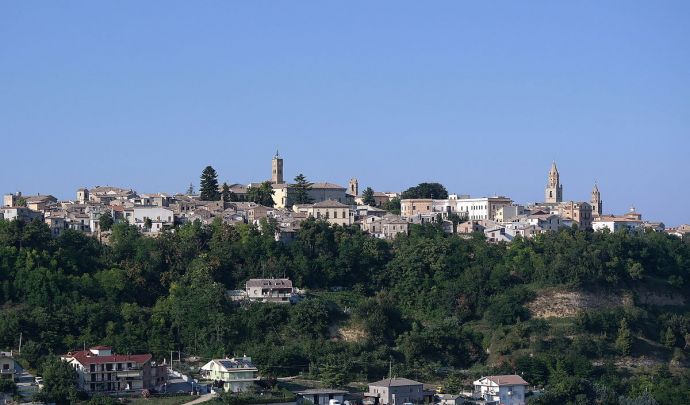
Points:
x=161, y=217
x=235, y=375
x=100, y=370
x=395, y=391
x=579, y=212
x=275, y=290
x=449, y=399
x=334, y=212
x=501, y=389
x=19, y=214
x=320, y=396
x=39, y=202
x=8, y=367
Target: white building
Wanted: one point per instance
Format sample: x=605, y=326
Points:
x=275, y=290
x=501, y=389
x=235, y=375
x=614, y=224
x=100, y=370
x=160, y=217
x=481, y=208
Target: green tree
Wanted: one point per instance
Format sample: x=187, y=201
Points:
x=301, y=189
x=368, y=197
x=426, y=190
x=624, y=339
x=392, y=206
x=59, y=382
x=669, y=338
x=148, y=224
x=208, y=188
x=263, y=194
x=8, y=386
x=226, y=194
x=106, y=221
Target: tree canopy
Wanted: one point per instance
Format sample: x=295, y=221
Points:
x=262, y=194
x=426, y=190
x=300, y=189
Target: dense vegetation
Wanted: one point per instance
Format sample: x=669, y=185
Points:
x=441, y=307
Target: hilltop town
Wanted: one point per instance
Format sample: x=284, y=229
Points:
x=381, y=214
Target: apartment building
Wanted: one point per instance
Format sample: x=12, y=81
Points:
x=100, y=370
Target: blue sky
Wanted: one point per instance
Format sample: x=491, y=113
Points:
x=480, y=96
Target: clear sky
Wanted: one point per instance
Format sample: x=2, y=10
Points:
x=480, y=96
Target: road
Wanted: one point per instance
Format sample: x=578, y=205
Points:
x=25, y=383
x=201, y=399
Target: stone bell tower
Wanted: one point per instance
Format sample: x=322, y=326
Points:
x=554, y=188
x=597, y=204
x=277, y=166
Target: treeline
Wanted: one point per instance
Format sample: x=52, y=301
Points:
x=434, y=304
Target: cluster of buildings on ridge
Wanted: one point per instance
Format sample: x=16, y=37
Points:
x=498, y=217
x=100, y=370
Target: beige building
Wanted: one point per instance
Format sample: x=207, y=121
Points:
x=578, y=212
x=334, y=212
x=414, y=206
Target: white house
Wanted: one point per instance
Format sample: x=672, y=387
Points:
x=275, y=290
x=502, y=389
x=160, y=217
x=236, y=374
x=614, y=224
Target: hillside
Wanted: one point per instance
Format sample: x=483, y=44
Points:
x=591, y=317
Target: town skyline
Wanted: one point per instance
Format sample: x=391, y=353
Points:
x=617, y=207
x=479, y=97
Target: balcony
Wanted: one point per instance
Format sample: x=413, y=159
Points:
x=129, y=374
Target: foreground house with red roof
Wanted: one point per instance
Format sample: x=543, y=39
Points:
x=501, y=389
x=100, y=370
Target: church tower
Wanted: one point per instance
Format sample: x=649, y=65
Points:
x=353, y=187
x=277, y=163
x=597, y=204
x=554, y=188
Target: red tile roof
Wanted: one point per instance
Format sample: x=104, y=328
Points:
x=86, y=357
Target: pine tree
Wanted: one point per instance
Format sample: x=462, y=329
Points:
x=190, y=189
x=301, y=190
x=208, y=189
x=368, y=197
x=624, y=338
x=226, y=194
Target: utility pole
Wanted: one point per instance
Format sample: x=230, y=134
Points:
x=20, y=343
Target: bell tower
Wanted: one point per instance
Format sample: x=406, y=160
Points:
x=353, y=187
x=554, y=188
x=597, y=204
x=277, y=166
